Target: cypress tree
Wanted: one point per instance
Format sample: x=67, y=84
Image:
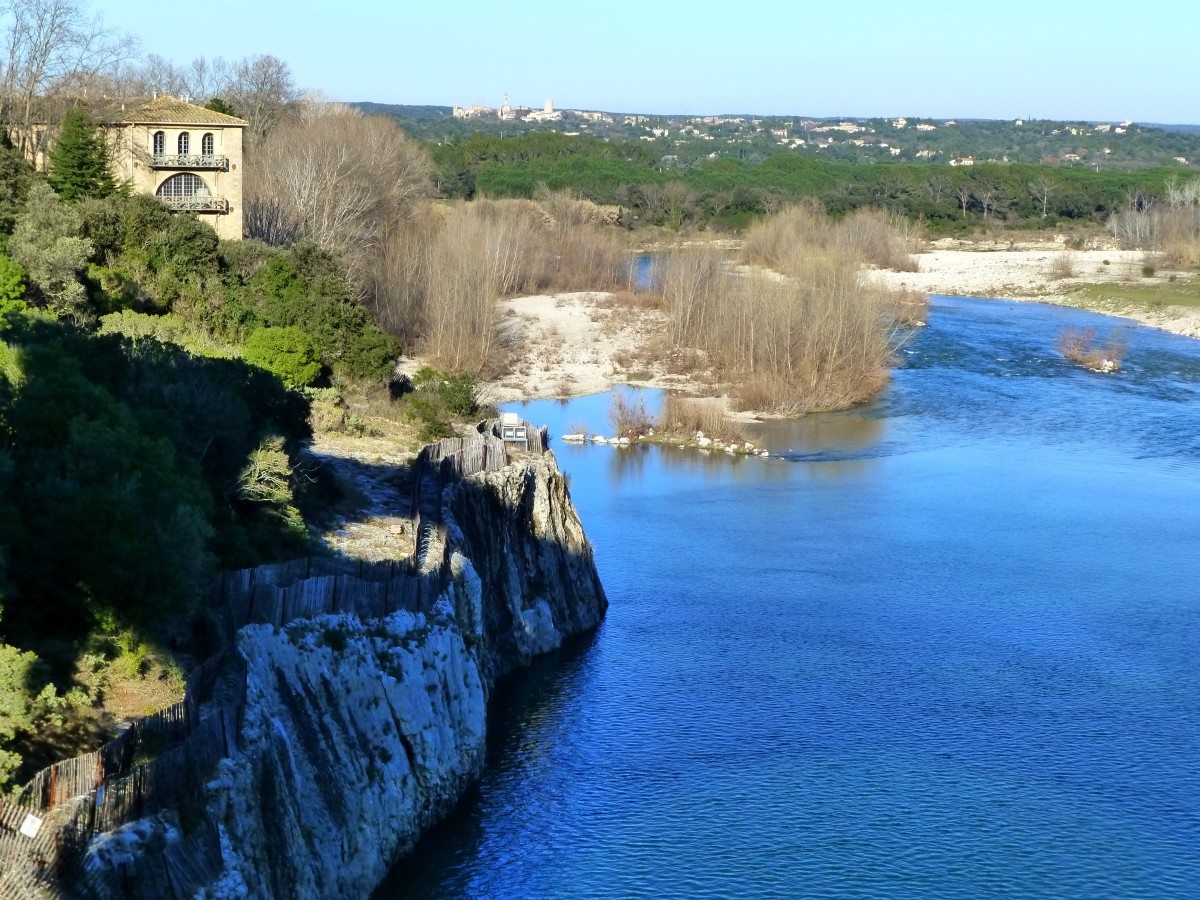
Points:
x=79, y=161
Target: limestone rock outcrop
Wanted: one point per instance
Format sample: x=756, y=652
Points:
x=358, y=732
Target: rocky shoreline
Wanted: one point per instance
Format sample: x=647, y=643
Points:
x=357, y=731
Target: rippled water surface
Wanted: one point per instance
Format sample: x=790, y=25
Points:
x=947, y=646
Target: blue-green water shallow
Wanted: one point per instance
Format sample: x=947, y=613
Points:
x=946, y=647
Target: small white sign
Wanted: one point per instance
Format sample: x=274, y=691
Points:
x=31, y=825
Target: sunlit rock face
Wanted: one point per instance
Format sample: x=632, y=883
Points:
x=357, y=735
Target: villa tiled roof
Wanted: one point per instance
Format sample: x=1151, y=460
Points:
x=168, y=110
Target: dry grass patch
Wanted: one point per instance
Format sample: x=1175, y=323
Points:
x=685, y=416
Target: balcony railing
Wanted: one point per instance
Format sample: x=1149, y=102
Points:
x=196, y=203
x=189, y=161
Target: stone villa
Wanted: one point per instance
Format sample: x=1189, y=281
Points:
x=186, y=155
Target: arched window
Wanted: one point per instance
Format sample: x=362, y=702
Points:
x=185, y=184
x=159, y=143
x=184, y=142
x=207, y=144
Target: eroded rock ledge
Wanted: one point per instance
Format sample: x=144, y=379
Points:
x=358, y=731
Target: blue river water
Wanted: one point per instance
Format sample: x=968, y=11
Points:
x=945, y=645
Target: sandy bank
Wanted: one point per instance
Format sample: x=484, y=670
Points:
x=1024, y=274
x=569, y=345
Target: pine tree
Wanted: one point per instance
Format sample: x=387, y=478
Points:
x=79, y=161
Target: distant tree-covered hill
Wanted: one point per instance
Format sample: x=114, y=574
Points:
x=404, y=111
x=683, y=140
x=1183, y=129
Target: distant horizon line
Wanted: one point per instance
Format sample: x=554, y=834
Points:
x=744, y=115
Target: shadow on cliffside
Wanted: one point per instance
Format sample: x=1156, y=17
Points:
x=525, y=708
x=537, y=575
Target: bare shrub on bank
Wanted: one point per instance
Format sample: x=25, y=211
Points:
x=817, y=339
x=476, y=257
x=629, y=418
x=1172, y=227
x=870, y=236
x=1079, y=346
x=1062, y=266
x=436, y=275
x=907, y=308
x=883, y=239
x=581, y=248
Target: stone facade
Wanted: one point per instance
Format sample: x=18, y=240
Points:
x=189, y=156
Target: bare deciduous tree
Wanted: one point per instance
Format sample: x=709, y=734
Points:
x=52, y=47
x=337, y=177
x=986, y=195
x=1041, y=189
x=261, y=90
x=963, y=193
x=938, y=186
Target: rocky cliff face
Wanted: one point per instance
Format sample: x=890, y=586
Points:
x=359, y=734
x=520, y=534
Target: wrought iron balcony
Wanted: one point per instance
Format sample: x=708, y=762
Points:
x=197, y=203
x=189, y=161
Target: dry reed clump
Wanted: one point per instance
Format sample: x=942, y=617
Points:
x=908, y=308
x=437, y=276
x=685, y=416
x=1062, y=266
x=818, y=339
x=1079, y=346
x=869, y=236
x=629, y=418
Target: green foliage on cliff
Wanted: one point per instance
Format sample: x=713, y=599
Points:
x=130, y=456
x=150, y=426
x=286, y=352
x=440, y=398
x=12, y=286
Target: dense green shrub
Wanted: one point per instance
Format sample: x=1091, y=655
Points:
x=46, y=243
x=131, y=456
x=438, y=399
x=286, y=352
x=12, y=286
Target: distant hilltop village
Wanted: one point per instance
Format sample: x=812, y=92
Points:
x=507, y=111
x=688, y=139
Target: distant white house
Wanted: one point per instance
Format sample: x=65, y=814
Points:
x=963, y=161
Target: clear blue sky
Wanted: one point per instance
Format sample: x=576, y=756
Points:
x=1063, y=59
